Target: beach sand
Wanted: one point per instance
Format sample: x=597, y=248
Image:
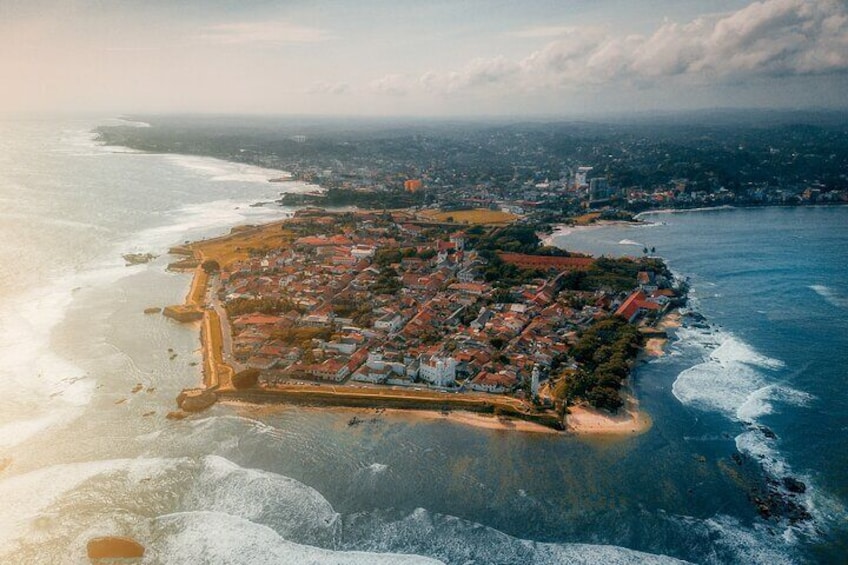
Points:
x=584, y=420
x=655, y=346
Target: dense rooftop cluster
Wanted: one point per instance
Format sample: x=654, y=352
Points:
x=390, y=299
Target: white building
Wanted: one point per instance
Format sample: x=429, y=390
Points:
x=437, y=370
x=534, y=382
x=363, y=251
x=580, y=180
x=390, y=322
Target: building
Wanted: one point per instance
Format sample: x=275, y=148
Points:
x=580, y=177
x=534, y=382
x=635, y=305
x=437, y=370
x=546, y=262
x=412, y=185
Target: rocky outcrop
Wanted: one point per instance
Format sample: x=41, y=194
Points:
x=152, y=310
x=246, y=379
x=184, y=264
x=196, y=400
x=114, y=547
x=183, y=313
x=177, y=415
x=138, y=258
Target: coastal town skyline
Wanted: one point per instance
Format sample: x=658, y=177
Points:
x=439, y=59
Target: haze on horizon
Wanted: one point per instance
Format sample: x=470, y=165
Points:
x=441, y=57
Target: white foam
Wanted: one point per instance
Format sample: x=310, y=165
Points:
x=377, y=468
x=734, y=542
x=759, y=403
x=220, y=170
x=731, y=378
x=459, y=541
x=831, y=296
x=198, y=220
x=214, y=537
x=259, y=496
x=630, y=242
x=132, y=123
x=26, y=497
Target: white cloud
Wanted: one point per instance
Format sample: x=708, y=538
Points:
x=263, y=32
x=335, y=88
x=541, y=32
x=771, y=38
x=393, y=85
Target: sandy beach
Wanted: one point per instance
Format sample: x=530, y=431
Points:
x=655, y=346
x=564, y=229
x=584, y=420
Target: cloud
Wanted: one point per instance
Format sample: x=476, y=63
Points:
x=541, y=31
x=335, y=88
x=393, y=85
x=263, y=32
x=766, y=39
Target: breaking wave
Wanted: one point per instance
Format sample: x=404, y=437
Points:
x=831, y=296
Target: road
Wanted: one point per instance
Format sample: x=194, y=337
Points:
x=213, y=302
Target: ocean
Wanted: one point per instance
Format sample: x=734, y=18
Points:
x=754, y=393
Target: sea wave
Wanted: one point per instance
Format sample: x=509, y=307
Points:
x=220, y=170
x=630, y=242
x=730, y=379
x=832, y=297
x=215, y=537
x=739, y=382
x=454, y=540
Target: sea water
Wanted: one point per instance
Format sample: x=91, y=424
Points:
x=83, y=456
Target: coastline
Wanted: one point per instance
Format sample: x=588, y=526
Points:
x=587, y=421
x=567, y=229
x=655, y=346
x=479, y=409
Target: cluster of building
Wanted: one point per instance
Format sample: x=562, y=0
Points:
x=380, y=299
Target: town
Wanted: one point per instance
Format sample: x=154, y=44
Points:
x=401, y=300
x=549, y=172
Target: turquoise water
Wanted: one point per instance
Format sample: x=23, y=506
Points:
x=85, y=456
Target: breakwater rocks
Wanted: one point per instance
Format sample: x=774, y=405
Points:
x=196, y=399
x=116, y=547
x=184, y=265
x=138, y=258
x=183, y=313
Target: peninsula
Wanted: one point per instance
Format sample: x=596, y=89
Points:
x=462, y=311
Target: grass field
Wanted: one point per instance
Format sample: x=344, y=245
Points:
x=587, y=219
x=478, y=216
x=236, y=246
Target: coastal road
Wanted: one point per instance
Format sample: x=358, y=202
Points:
x=226, y=333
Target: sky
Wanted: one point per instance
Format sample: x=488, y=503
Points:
x=420, y=57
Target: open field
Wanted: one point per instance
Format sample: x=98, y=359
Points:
x=477, y=216
x=587, y=219
x=237, y=245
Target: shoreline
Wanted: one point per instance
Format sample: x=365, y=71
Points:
x=655, y=346
x=561, y=230
x=481, y=410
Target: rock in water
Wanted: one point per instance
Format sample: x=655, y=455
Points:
x=794, y=485
x=196, y=400
x=152, y=310
x=114, y=548
x=138, y=258
x=183, y=313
